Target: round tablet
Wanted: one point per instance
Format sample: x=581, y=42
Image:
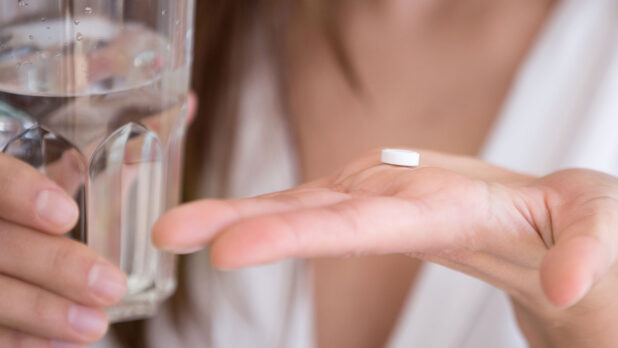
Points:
x=399, y=157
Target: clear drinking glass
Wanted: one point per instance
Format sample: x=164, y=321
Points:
x=93, y=93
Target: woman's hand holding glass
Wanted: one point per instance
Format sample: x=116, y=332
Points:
x=53, y=288
x=550, y=242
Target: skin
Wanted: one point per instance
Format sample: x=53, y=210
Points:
x=47, y=280
x=432, y=75
x=548, y=242
x=397, y=48
x=557, y=219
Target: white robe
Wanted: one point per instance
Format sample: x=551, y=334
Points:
x=562, y=111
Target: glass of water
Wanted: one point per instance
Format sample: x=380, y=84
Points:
x=93, y=93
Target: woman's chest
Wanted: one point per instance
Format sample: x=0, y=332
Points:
x=411, y=87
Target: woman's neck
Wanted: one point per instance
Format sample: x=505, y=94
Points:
x=432, y=75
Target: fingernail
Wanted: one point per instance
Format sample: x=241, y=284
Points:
x=183, y=250
x=55, y=208
x=107, y=282
x=58, y=344
x=86, y=321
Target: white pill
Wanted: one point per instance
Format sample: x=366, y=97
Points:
x=399, y=157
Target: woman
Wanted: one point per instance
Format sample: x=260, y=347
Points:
x=406, y=74
x=406, y=66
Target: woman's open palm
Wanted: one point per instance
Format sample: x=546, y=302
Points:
x=546, y=241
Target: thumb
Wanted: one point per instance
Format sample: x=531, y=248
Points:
x=576, y=263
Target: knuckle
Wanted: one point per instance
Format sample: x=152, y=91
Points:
x=71, y=261
x=48, y=314
x=40, y=306
x=68, y=267
x=69, y=254
x=62, y=256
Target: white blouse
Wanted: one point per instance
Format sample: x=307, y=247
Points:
x=562, y=111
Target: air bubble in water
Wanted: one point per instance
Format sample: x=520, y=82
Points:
x=88, y=10
x=22, y=3
x=163, y=12
x=76, y=21
x=177, y=22
x=43, y=19
x=79, y=37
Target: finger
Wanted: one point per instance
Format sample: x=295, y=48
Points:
x=40, y=313
x=31, y=199
x=68, y=172
x=192, y=103
x=60, y=265
x=359, y=226
x=581, y=216
x=190, y=227
x=570, y=269
x=582, y=255
x=14, y=338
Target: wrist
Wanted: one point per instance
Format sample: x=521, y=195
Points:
x=581, y=326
